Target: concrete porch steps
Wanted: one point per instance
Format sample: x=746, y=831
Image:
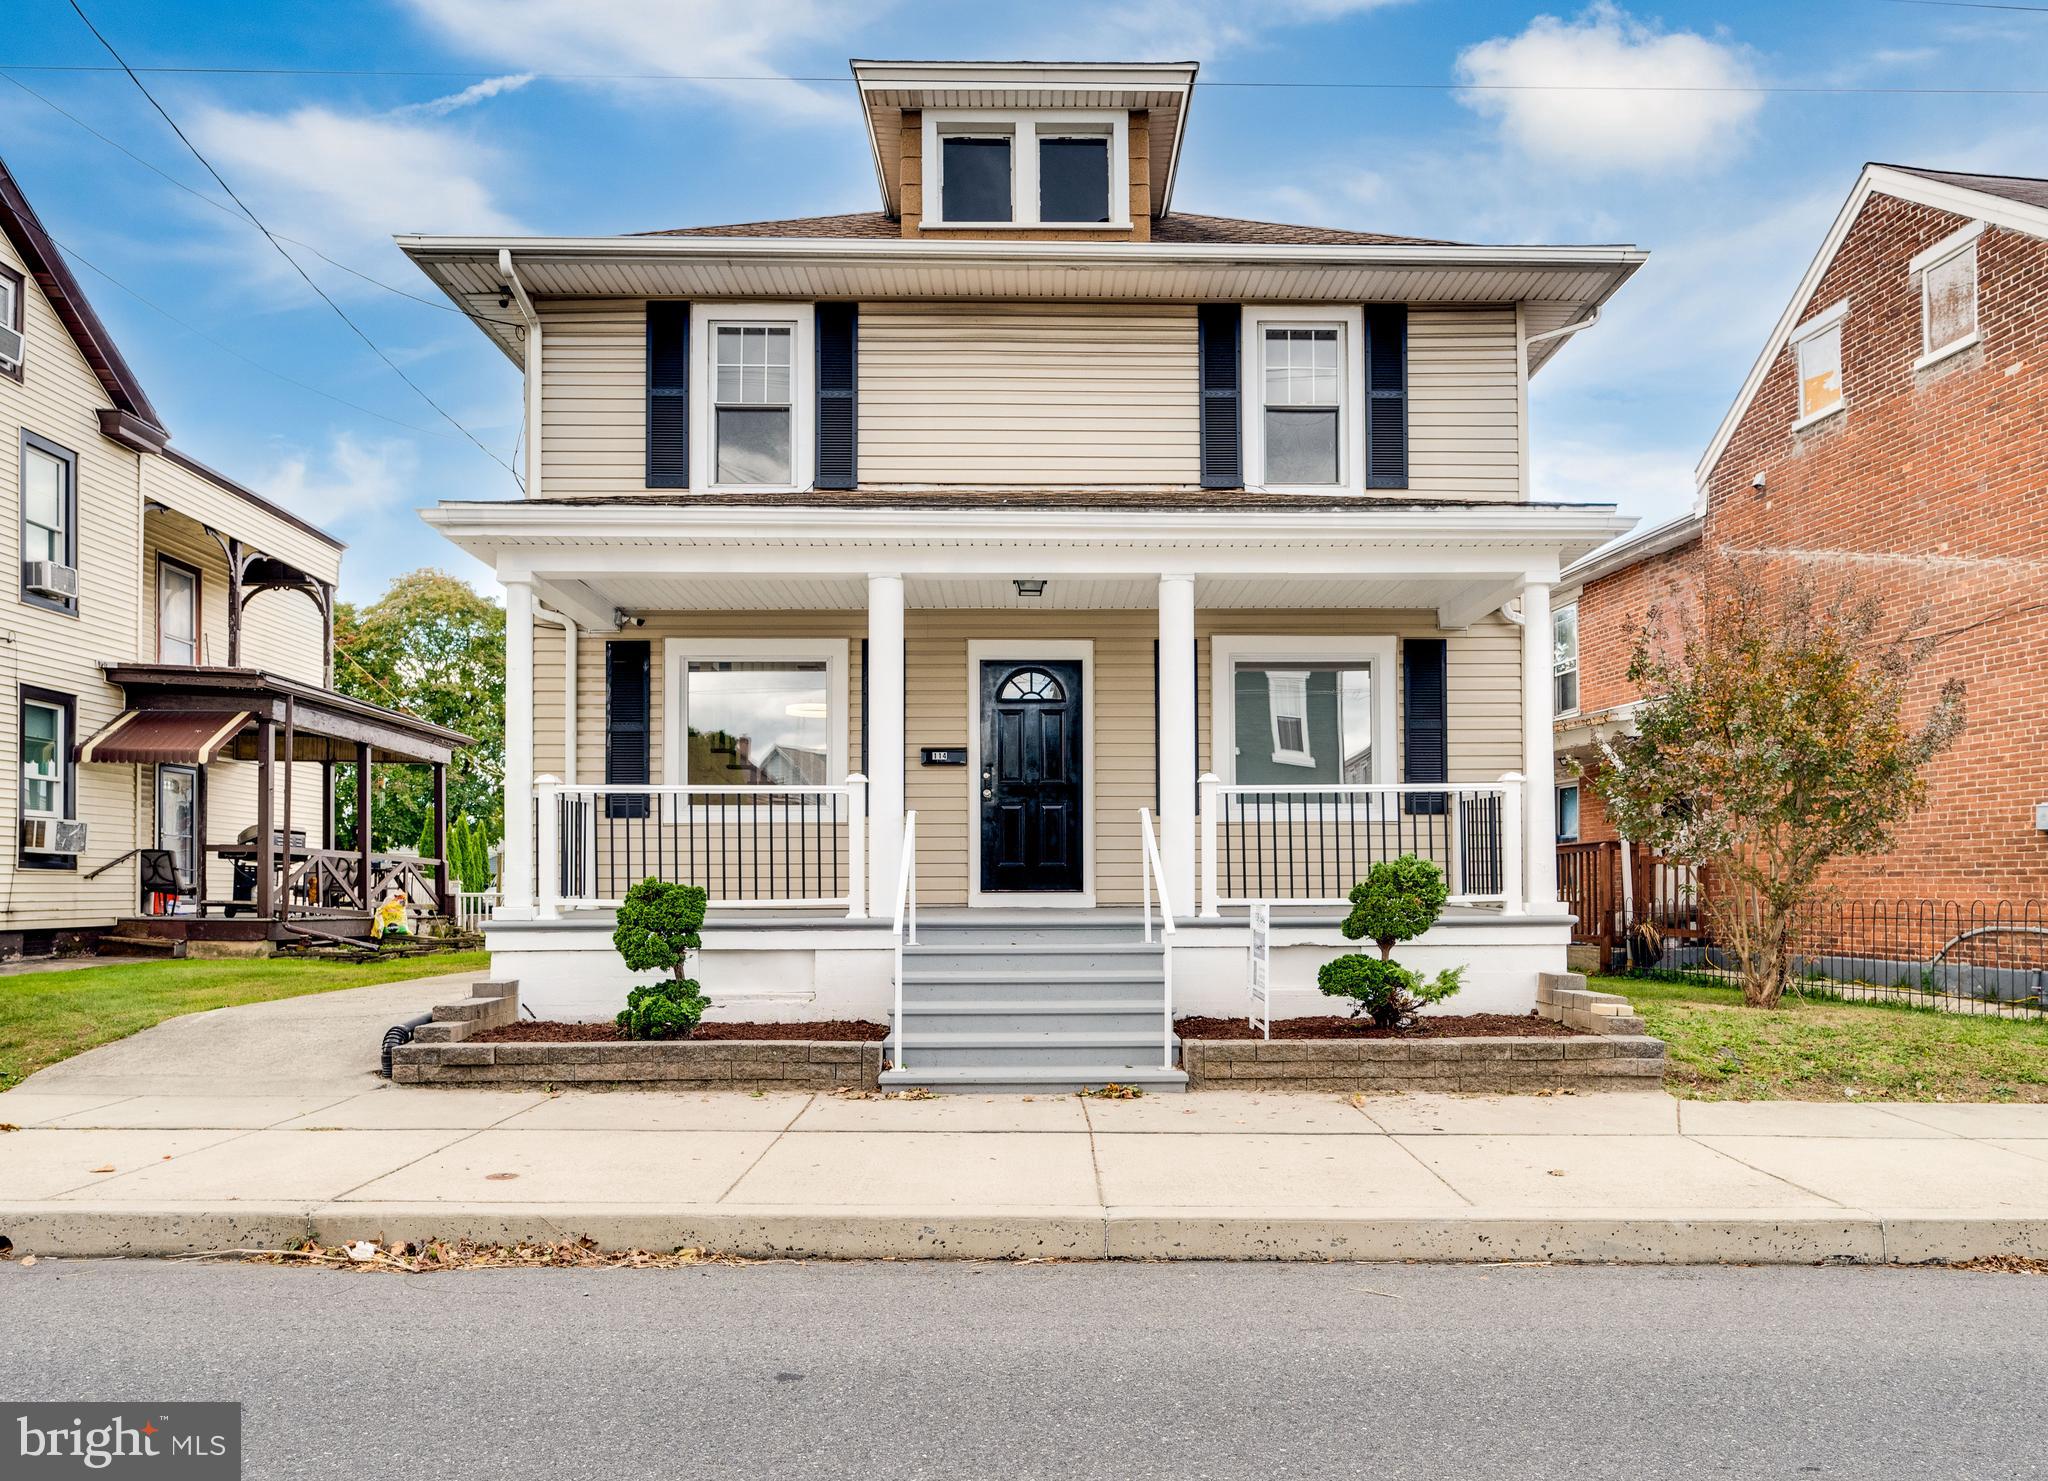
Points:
x=1027, y=1003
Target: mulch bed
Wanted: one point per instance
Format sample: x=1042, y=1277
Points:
x=541, y=1031
x=1430, y=1026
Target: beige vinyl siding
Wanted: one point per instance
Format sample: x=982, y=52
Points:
x=282, y=631
x=593, y=397
x=1464, y=427
x=205, y=502
x=1027, y=394
x=1485, y=708
x=549, y=700
x=59, y=399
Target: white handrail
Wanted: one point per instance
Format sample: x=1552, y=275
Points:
x=905, y=916
x=1155, y=875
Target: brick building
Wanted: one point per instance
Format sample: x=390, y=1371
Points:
x=1894, y=432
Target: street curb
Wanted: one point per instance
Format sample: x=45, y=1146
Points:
x=1748, y=1237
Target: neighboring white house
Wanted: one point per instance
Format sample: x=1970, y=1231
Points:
x=1109, y=551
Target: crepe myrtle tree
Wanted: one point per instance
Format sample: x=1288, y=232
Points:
x=1397, y=901
x=657, y=930
x=1774, y=741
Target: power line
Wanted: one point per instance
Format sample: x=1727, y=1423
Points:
x=1972, y=5
x=297, y=267
x=200, y=195
x=1793, y=89
x=228, y=349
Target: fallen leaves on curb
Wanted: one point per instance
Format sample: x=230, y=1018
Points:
x=1112, y=1091
x=8, y=1126
x=418, y=1257
x=2004, y=1265
x=915, y=1092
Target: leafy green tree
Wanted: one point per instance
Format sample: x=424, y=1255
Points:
x=1397, y=901
x=1774, y=741
x=658, y=925
x=433, y=647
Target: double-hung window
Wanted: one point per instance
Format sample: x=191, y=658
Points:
x=1026, y=169
x=1817, y=354
x=1948, y=295
x=44, y=745
x=49, y=520
x=1564, y=662
x=13, y=347
x=755, y=403
x=177, y=612
x=1304, y=411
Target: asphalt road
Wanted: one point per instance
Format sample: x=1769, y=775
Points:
x=1127, y=1371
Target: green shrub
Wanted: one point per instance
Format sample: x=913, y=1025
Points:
x=657, y=930
x=1397, y=901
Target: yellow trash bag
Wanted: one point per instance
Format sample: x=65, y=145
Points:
x=390, y=917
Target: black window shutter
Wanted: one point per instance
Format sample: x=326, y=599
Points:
x=1425, y=705
x=668, y=395
x=628, y=725
x=1218, y=328
x=838, y=405
x=1386, y=401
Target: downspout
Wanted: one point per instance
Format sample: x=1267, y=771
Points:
x=517, y=289
x=1592, y=318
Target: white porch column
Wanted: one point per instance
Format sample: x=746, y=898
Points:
x=515, y=883
x=884, y=760
x=1539, y=811
x=1177, y=739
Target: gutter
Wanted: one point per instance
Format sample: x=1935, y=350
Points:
x=527, y=312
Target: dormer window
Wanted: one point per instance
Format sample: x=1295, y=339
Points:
x=1051, y=169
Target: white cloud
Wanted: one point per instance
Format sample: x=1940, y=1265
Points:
x=1654, y=483
x=346, y=181
x=475, y=93
x=1203, y=29
x=352, y=479
x=704, y=38
x=1607, y=92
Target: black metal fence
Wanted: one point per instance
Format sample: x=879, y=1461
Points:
x=1976, y=956
x=1308, y=844
x=745, y=846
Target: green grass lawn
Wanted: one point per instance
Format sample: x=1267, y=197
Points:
x=48, y=1016
x=1814, y=1049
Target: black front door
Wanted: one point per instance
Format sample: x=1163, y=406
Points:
x=1031, y=775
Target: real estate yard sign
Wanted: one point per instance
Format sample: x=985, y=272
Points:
x=1261, y=1015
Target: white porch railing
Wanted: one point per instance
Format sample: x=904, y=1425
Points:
x=1155, y=881
x=1309, y=845
x=749, y=847
x=904, y=918
x=473, y=908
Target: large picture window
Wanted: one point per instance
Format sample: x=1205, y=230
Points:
x=756, y=712
x=1298, y=712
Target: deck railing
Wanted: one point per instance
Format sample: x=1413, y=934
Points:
x=1309, y=845
x=753, y=847
x=1154, y=870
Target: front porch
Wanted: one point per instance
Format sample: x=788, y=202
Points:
x=839, y=721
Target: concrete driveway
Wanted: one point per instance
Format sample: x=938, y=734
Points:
x=314, y=1045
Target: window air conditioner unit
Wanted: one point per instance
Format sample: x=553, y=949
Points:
x=12, y=349
x=52, y=836
x=50, y=579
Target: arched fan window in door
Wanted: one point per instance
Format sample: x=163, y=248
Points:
x=1032, y=684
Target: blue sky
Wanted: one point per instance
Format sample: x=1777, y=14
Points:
x=1730, y=188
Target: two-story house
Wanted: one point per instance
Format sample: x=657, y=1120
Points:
x=1892, y=435
x=955, y=588
x=162, y=622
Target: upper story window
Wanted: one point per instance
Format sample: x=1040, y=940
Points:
x=13, y=348
x=177, y=612
x=1564, y=663
x=49, y=524
x=754, y=403
x=1817, y=348
x=1028, y=170
x=1948, y=295
x=1304, y=404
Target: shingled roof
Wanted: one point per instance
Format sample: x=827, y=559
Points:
x=1181, y=226
x=2026, y=189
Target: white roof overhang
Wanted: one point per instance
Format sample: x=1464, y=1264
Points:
x=466, y=269
x=1462, y=563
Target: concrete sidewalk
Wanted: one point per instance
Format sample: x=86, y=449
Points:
x=1637, y=1177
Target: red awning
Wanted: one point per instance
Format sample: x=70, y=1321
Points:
x=177, y=737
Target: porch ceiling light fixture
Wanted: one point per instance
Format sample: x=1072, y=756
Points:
x=1028, y=586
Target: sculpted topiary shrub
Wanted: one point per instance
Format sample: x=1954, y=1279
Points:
x=1396, y=901
x=657, y=930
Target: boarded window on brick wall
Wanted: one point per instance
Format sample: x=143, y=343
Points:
x=1820, y=369
x=1949, y=300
